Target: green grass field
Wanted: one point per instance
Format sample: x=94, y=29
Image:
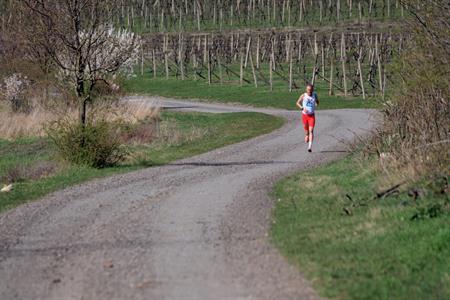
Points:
x=374, y=250
x=183, y=135
x=280, y=97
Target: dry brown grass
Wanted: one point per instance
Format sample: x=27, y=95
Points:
x=127, y=112
x=19, y=173
x=169, y=134
x=14, y=125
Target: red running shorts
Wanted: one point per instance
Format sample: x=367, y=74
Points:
x=309, y=121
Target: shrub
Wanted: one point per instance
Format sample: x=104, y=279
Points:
x=96, y=144
x=416, y=129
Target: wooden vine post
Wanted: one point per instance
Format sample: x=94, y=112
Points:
x=241, y=68
x=154, y=63
x=166, y=56
x=360, y=72
x=255, y=79
x=343, y=60
x=290, y=68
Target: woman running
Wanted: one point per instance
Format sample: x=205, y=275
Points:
x=307, y=103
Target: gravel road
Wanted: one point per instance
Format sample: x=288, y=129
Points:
x=193, y=229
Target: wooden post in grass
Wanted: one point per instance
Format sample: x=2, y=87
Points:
x=301, y=12
x=237, y=47
x=331, y=92
x=360, y=53
x=205, y=50
x=231, y=45
x=289, y=13
x=338, y=10
x=274, y=12
x=249, y=44
x=360, y=73
x=231, y=14
x=290, y=70
x=300, y=44
x=271, y=72
x=241, y=70
x=360, y=11
x=142, y=59
x=162, y=21
x=215, y=14
x=389, y=8
x=209, y=64
x=154, y=64
x=316, y=57
x=378, y=57
x=343, y=59
x=288, y=46
x=255, y=79
x=258, y=45
x=180, y=55
x=323, y=59
x=321, y=11
x=166, y=58
x=219, y=63
x=194, y=65
x=273, y=54
x=198, y=16
x=350, y=7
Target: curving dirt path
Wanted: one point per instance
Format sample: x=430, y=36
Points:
x=194, y=229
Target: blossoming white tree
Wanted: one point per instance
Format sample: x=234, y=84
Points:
x=80, y=38
x=13, y=88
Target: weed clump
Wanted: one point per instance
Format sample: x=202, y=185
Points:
x=95, y=144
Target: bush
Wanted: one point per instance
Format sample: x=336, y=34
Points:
x=416, y=129
x=96, y=144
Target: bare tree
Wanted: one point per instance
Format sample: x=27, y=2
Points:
x=79, y=37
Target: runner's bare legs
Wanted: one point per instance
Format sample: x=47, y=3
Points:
x=310, y=137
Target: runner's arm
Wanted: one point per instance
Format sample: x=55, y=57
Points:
x=300, y=102
x=317, y=100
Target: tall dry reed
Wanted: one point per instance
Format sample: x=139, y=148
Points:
x=14, y=125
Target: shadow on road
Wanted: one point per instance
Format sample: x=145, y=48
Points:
x=231, y=163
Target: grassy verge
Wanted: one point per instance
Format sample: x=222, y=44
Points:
x=390, y=248
x=280, y=97
x=32, y=165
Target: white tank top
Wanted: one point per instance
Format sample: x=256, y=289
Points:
x=309, y=103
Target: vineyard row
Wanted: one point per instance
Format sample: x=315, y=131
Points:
x=348, y=63
x=203, y=15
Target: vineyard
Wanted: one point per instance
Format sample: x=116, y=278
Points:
x=345, y=63
x=343, y=46
x=205, y=15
